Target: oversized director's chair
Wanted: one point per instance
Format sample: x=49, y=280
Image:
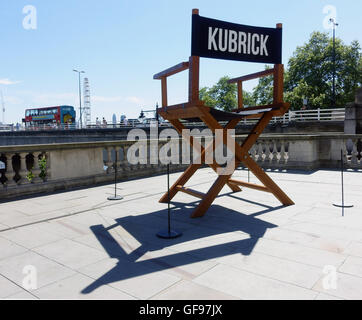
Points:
x=194, y=108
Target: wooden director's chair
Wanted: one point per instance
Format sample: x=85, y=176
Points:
x=195, y=108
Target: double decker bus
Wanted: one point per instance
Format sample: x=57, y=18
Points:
x=50, y=117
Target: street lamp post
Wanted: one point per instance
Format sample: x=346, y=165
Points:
x=80, y=98
x=334, y=63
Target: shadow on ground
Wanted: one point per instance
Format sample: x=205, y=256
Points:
x=218, y=221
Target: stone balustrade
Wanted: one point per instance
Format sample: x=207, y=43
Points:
x=46, y=168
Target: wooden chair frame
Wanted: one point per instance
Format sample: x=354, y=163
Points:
x=195, y=108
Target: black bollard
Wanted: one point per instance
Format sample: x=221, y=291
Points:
x=342, y=183
x=169, y=233
x=115, y=197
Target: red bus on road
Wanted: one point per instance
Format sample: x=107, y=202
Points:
x=49, y=117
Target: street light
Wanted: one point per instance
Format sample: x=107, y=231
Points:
x=334, y=62
x=80, y=98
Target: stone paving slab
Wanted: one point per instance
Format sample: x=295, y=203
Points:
x=189, y=290
x=354, y=248
x=323, y=296
x=8, y=288
x=71, y=287
x=134, y=278
x=23, y=236
x=347, y=287
x=299, y=253
x=352, y=265
x=247, y=246
x=47, y=271
x=284, y=270
x=9, y=248
x=23, y=295
x=247, y=285
x=70, y=253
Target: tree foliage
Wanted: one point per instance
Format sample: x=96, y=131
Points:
x=223, y=95
x=308, y=74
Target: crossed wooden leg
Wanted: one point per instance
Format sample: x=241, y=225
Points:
x=182, y=180
x=241, y=156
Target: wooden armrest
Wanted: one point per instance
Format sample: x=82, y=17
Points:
x=170, y=71
x=252, y=76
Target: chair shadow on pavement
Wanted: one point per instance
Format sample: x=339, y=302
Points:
x=137, y=260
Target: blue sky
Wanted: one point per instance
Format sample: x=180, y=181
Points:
x=122, y=43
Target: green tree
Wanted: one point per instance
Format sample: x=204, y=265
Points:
x=223, y=95
x=310, y=72
x=263, y=92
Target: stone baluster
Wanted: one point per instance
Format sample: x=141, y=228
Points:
x=36, y=168
x=109, y=162
x=252, y=152
x=282, y=153
x=359, y=151
x=117, y=155
x=260, y=152
x=354, y=152
x=119, y=151
x=23, y=171
x=286, y=150
x=278, y=149
x=273, y=153
x=160, y=160
x=49, y=165
x=10, y=172
x=125, y=162
x=267, y=152
x=344, y=153
x=141, y=165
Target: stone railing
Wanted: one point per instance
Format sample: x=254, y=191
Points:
x=45, y=168
x=308, y=152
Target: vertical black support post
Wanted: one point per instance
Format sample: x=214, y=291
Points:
x=168, y=234
x=342, y=205
x=342, y=183
x=115, y=197
x=168, y=199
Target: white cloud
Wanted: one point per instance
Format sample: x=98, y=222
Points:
x=54, y=98
x=13, y=100
x=105, y=99
x=7, y=81
x=134, y=100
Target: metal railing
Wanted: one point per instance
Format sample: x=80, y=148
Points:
x=337, y=114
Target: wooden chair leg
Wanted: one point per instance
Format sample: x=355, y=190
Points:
x=210, y=196
x=215, y=166
x=267, y=181
x=188, y=173
x=241, y=153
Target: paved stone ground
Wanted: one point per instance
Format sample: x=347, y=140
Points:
x=247, y=246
